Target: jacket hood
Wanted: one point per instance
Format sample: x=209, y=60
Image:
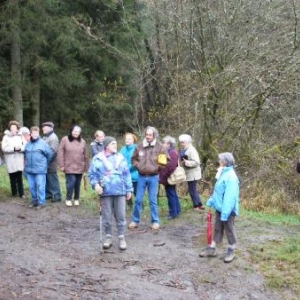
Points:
x=8, y=133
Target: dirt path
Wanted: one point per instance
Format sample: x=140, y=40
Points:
x=54, y=254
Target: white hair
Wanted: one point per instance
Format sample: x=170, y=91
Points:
x=185, y=138
x=226, y=158
x=169, y=139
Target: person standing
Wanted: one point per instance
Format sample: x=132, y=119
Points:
x=145, y=160
x=127, y=152
x=37, y=158
x=97, y=143
x=110, y=176
x=171, y=193
x=225, y=200
x=13, y=145
x=190, y=161
x=52, y=182
x=73, y=161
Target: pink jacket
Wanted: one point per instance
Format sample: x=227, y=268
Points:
x=73, y=156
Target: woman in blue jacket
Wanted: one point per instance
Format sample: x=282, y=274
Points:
x=225, y=200
x=38, y=155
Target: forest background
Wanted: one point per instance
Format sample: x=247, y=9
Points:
x=225, y=72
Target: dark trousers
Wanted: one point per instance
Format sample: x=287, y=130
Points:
x=52, y=187
x=73, y=182
x=224, y=226
x=16, y=183
x=173, y=201
x=192, y=186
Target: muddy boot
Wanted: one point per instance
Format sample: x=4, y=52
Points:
x=209, y=252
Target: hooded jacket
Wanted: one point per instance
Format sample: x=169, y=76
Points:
x=14, y=159
x=127, y=152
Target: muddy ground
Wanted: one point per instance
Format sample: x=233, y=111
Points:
x=54, y=254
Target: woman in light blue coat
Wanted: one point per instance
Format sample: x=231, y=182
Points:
x=225, y=200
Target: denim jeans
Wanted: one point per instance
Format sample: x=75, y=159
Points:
x=52, y=186
x=37, y=186
x=192, y=186
x=150, y=183
x=173, y=201
x=73, y=182
x=113, y=206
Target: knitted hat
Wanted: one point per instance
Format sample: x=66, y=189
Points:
x=50, y=124
x=108, y=140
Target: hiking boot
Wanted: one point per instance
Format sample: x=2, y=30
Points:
x=132, y=225
x=32, y=205
x=209, y=252
x=76, y=202
x=122, y=243
x=229, y=255
x=40, y=206
x=155, y=226
x=108, y=242
x=69, y=202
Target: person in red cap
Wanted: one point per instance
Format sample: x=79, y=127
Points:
x=53, y=191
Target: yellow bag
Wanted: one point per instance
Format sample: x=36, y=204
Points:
x=162, y=159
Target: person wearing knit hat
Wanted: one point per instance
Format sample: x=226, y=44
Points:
x=109, y=176
x=53, y=191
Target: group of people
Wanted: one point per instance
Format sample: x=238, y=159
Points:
x=117, y=176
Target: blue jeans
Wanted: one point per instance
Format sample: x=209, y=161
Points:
x=52, y=186
x=73, y=182
x=150, y=183
x=173, y=201
x=192, y=186
x=37, y=186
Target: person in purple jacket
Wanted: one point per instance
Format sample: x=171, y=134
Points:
x=173, y=200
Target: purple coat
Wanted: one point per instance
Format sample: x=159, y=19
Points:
x=170, y=167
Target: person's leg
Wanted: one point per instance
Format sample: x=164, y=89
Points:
x=152, y=191
x=134, y=184
x=177, y=202
x=13, y=185
x=192, y=186
x=106, y=211
x=56, y=192
x=32, y=188
x=78, y=178
x=41, y=188
x=231, y=237
x=19, y=181
x=140, y=192
x=70, y=183
x=119, y=208
x=170, y=197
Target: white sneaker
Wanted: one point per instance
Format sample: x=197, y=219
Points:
x=108, y=242
x=76, y=202
x=122, y=243
x=69, y=202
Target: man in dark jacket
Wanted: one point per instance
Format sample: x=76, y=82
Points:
x=53, y=191
x=145, y=160
x=97, y=143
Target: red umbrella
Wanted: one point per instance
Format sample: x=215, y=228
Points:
x=209, y=227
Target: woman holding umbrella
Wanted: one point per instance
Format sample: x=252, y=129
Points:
x=225, y=200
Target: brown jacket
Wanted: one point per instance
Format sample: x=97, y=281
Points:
x=73, y=156
x=144, y=158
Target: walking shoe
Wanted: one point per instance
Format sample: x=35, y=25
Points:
x=108, y=242
x=229, y=255
x=76, y=202
x=32, y=205
x=209, y=252
x=69, y=202
x=155, y=226
x=56, y=200
x=132, y=225
x=122, y=243
x=40, y=206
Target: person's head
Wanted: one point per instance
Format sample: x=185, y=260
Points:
x=226, y=159
x=99, y=136
x=110, y=144
x=47, y=127
x=151, y=134
x=185, y=140
x=26, y=133
x=75, y=131
x=14, y=127
x=169, y=142
x=130, y=138
x=34, y=132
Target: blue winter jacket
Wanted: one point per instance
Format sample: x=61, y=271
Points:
x=112, y=173
x=226, y=195
x=127, y=152
x=38, y=155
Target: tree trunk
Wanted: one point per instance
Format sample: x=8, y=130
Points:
x=35, y=99
x=15, y=54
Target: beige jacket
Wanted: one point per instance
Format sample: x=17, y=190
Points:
x=192, y=164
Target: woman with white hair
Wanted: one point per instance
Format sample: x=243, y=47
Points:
x=191, y=162
x=225, y=200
